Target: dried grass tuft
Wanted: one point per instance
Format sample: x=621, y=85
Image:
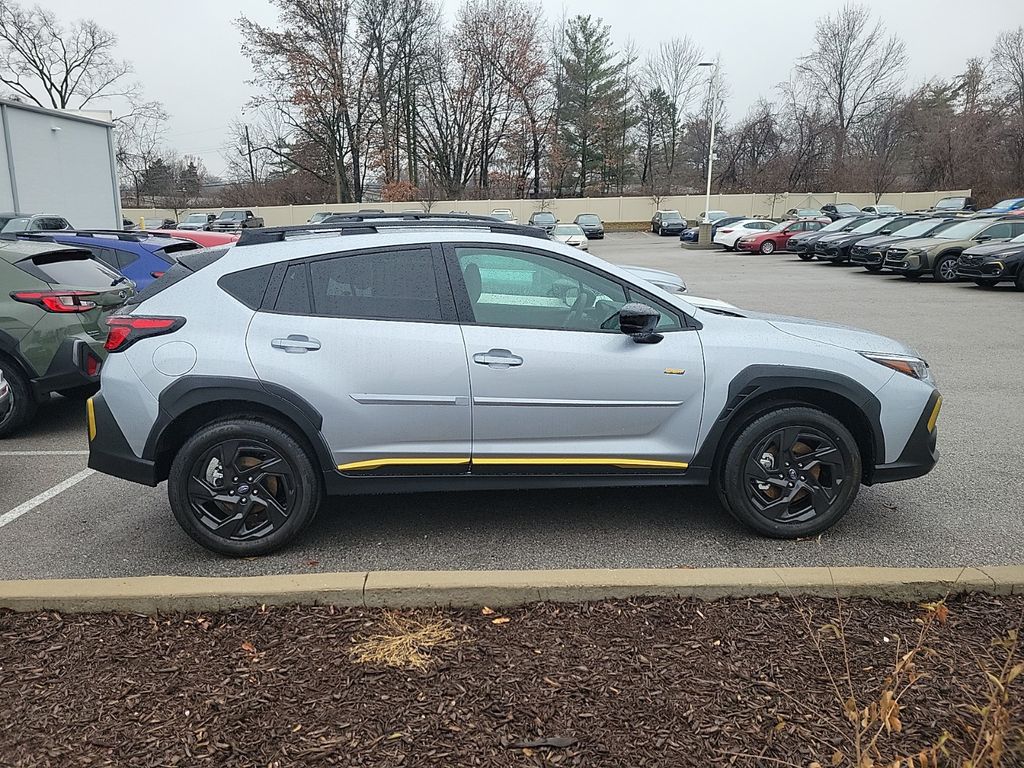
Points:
x=404, y=641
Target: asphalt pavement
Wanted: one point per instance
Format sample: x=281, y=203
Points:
x=57, y=521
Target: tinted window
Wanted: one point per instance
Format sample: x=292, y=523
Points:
x=997, y=231
x=249, y=285
x=811, y=226
x=395, y=286
x=105, y=255
x=544, y=218
x=588, y=218
x=125, y=258
x=526, y=290
x=294, y=295
x=73, y=269
x=1017, y=229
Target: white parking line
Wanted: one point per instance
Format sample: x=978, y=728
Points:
x=44, y=453
x=28, y=506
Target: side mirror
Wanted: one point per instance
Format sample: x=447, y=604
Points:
x=639, y=321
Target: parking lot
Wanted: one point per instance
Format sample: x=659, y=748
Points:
x=59, y=521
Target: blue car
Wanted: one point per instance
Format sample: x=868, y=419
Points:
x=142, y=257
x=689, y=235
x=1006, y=206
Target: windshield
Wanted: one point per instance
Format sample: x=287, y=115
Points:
x=316, y=218
x=955, y=203
x=196, y=218
x=17, y=224
x=781, y=227
x=847, y=208
x=871, y=226
x=835, y=226
x=588, y=218
x=1007, y=203
x=671, y=216
x=568, y=229
x=919, y=228
x=544, y=217
x=964, y=230
x=502, y=215
x=232, y=216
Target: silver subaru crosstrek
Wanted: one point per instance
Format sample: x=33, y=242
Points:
x=412, y=352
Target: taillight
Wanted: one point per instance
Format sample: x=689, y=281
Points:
x=57, y=301
x=125, y=330
x=156, y=274
x=725, y=231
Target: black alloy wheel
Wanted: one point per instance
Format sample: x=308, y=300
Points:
x=243, y=487
x=792, y=472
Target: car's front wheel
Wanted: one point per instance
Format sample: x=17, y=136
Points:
x=243, y=487
x=945, y=269
x=790, y=473
x=873, y=268
x=767, y=247
x=806, y=256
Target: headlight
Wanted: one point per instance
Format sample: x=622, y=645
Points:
x=914, y=367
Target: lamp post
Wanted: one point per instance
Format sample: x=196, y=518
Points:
x=711, y=144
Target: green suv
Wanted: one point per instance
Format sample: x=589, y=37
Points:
x=54, y=301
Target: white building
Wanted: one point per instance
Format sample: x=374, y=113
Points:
x=59, y=162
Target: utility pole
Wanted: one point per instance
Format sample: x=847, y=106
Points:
x=248, y=151
x=705, y=225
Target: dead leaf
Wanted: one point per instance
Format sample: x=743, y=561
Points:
x=487, y=611
x=249, y=647
x=501, y=620
x=837, y=758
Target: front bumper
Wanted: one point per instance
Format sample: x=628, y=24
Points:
x=109, y=451
x=921, y=452
x=594, y=234
x=70, y=367
x=975, y=269
x=866, y=258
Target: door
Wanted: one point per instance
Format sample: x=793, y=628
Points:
x=556, y=387
x=370, y=340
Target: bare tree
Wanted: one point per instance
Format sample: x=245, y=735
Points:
x=138, y=137
x=879, y=141
x=60, y=67
x=853, y=65
x=672, y=69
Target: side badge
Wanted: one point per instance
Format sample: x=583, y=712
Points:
x=675, y=371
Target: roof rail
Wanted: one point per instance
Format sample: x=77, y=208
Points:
x=371, y=223
x=129, y=236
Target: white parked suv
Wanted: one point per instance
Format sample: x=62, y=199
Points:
x=386, y=354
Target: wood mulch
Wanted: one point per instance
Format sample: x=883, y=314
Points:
x=653, y=682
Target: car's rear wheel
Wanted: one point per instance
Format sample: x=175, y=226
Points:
x=243, y=487
x=873, y=268
x=767, y=247
x=790, y=473
x=21, y=406
x=806, y=256
x=945, y=269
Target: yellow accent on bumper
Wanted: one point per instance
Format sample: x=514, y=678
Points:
x=377, y=463
x=935, y=414
x=90, y=413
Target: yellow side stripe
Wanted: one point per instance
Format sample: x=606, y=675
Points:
x=90, y=412
x=541, y=461
x=935, y=414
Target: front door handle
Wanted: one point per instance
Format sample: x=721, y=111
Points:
x=497, y=358
x=296, y=344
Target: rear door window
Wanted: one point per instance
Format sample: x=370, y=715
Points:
x=294, y=295
x=387, y=286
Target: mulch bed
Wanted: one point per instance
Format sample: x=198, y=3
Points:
x=655, y=682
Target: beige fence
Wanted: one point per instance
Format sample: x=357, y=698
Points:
x=610, y=209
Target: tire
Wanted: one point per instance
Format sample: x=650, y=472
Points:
x=22, y=407
x=80, y=393
x=986, y=283
x=767, y=247
x=945, y=269
x=205, y=467
x=775, y=498
x=806, y=256
x=912, y=276
x=873, y=268
x=1019, y=282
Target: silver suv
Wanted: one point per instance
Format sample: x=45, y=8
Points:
x=424, y=352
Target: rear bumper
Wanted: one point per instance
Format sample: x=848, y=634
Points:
x=109, y=451
x=69, y=366
x=920, y=454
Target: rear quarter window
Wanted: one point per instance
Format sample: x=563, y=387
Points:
x=249, y=285
x=187, y=265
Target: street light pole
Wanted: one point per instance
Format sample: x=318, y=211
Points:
x=714, y=114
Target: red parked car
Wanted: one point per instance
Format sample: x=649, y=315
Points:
x=777, y=238
x=205, y=239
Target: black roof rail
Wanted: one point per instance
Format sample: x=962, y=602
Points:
x=371, y=223
x=128, y=236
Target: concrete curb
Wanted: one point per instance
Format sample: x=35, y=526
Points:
x=154, y=594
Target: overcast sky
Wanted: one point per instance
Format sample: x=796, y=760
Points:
x=186, y=53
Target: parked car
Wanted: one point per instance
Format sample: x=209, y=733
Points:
x=194, y=221
x=54, y=301
x=667, y=223
x=157, y=223
x=691, y=234
x=835, y=247
x=870, y=252
x=319, y=216
x=840, y=210
x=937, y=255
x=142, y=257
x=802, y=244
x=881, y=209
x=201, y=238
x=291, y=393
x=993, y=263
x=802, y=213
x=777, y=238
x=952, y=205
x=234, y=220
x=544, y=220
x=591, y=225
x=571, y=234
x=505, y=215
x=710, y=217
x=1005, y=206
x=127, y=224
x=727, y=236
x=32, y=222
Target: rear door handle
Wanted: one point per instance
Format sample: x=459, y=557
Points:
x=497, y=358
x=296, y=344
